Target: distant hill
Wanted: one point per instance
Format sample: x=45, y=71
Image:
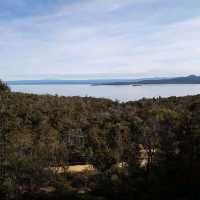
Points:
x=192, y=79
x=73, y=82
x=60, y=82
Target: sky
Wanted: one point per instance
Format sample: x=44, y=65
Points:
x=63, y=39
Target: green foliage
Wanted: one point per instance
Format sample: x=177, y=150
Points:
x=4, y=87
x=157, y=139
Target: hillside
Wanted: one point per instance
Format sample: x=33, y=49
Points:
x=42, y=132
x=192, y=79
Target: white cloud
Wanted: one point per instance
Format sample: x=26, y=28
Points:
x=71, y=41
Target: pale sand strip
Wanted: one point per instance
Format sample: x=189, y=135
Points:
x=73, y=169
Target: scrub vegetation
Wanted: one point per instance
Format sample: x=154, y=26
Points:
x=143, y=150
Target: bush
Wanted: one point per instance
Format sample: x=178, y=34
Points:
x=4, y=87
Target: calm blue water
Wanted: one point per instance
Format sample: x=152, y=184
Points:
x=121, y=93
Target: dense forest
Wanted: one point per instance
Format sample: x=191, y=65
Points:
x=142, y=150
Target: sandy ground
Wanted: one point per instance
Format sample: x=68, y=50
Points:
x=87, y=167
x=73, y=169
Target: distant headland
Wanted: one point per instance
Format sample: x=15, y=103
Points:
x=192, y=79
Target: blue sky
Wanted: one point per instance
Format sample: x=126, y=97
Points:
x=98, y=38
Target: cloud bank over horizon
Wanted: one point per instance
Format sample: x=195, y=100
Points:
x=108, y=38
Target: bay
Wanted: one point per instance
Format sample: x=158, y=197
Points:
x=115, y=92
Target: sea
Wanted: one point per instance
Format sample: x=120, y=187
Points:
x=122, y=93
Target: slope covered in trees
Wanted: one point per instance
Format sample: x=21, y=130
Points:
x=158, y=140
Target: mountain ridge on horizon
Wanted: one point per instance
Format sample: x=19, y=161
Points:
x=190, y=79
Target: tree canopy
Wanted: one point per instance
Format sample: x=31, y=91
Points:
x=147, y=149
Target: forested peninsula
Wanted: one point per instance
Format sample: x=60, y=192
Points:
x=144, y=150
